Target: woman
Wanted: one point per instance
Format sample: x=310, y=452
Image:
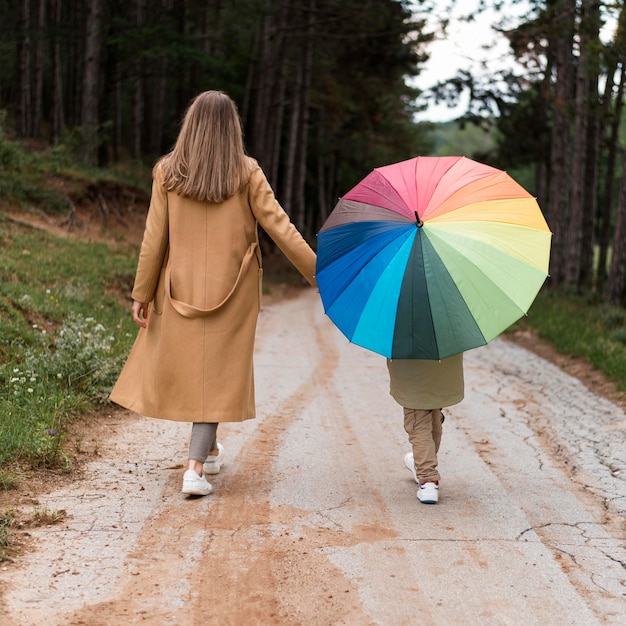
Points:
x=197, y=289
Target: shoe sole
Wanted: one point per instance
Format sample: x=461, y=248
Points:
x=428, y=501
x=192, y=491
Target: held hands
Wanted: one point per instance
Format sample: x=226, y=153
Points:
x=140, y=313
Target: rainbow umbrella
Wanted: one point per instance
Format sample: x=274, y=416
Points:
x=430, y=257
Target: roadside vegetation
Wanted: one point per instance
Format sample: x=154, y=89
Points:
x=64, y=323
x=579, y=325
x=65, y=331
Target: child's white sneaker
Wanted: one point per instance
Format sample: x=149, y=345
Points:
x=195, y=485
x=428, y=493
x=410, y=465
x=213, y=464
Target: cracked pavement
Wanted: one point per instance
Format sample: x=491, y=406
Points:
x=314, y=518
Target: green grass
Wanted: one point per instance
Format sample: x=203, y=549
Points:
x=65, y=330
x=45, y=179
x=6, y=535
x=23, y=175
x=580, y=326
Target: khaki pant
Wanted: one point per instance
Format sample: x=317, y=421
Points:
x=424, y=430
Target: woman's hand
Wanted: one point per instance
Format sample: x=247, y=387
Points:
x=140, y=313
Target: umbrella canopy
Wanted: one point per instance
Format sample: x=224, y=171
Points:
x=430, y=257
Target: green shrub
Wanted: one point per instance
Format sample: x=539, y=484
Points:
x=61, y=376
x=618, y=336
x=65, y=334
x=580, y=325
x=611, y=317
x=6, y=534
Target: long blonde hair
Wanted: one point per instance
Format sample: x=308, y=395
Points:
x=208, y=161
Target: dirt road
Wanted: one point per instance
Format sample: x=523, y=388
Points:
x=314, y=519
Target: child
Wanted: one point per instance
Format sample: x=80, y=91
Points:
x=423, y=387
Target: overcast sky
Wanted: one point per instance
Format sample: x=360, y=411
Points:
x=464, y=48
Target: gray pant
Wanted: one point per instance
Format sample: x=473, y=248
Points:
x=203, y=440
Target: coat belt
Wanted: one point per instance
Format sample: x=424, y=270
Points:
x=188, y=310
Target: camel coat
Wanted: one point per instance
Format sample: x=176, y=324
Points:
x=200, y=269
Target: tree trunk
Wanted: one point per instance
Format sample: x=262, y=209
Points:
x=138, y=95
x=542, y=168
x=23, y=101
x=37, y=113
x=585, y=276
x=158, y=107
x=158, y=95
x=117, y=112
x=57, y=115
x=279, y=115
x=590, y=203
x=292, y=139
x=579, y=161
x=560, y=156
x=301, y=214
x=617, y=275
x=263, y=91
x=73, y=71
x=245, y=110
x=91, y=76
x=274, y=126
x=614, y=114
x=609, y=177
x=322, y=200
x=541, y=182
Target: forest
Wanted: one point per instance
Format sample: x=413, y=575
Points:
x=325, y=93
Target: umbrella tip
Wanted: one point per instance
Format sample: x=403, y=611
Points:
x=418, y=221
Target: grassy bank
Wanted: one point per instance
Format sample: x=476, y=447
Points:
x=65, y=331
x=578, y=325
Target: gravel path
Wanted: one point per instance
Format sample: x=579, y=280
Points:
x=314, y=519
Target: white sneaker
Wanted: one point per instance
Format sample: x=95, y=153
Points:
x=408, y=462
x=195, y=485
x=428, y=493
x=213, y=464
